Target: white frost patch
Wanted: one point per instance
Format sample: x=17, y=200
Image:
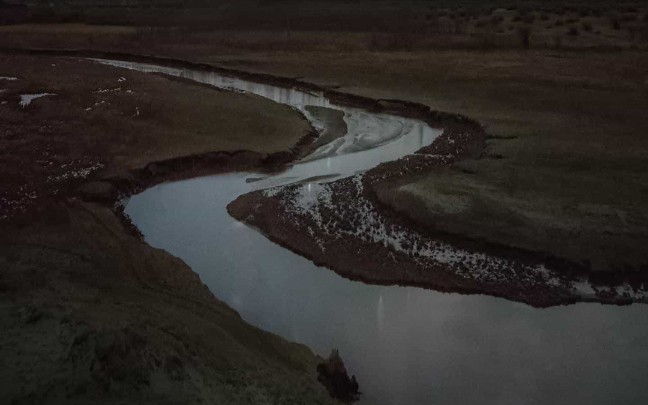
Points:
x=308, y=199
x=271, y=192
x=101, y=91
x=584, y=289
x=75, y=174
x=96, y=105
x=361, y=220
x=121, y=79
x=8, y=78
x=26, y=99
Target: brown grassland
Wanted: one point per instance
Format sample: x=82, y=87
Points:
x=94, y=312
x=89, y=311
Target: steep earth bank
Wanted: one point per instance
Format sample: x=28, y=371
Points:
x=91, y=313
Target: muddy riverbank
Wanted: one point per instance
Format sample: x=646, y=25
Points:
x=374, y=244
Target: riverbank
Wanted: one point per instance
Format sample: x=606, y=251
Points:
x=417, y=175
x=562, y=171
x=90, y=312
x=344, y=226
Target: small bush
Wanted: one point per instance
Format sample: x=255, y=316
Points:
x=544, y=16
x=573, y=31
x=559, y=23
x=586, y=26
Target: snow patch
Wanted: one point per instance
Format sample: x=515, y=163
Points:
x=26, y=99
x=97, y=104
x=101, y=91
x=311, y=205
x=75, y=174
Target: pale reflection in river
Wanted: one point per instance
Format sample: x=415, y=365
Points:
x=406, y=345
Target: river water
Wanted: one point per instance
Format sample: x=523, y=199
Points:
x=406, y=345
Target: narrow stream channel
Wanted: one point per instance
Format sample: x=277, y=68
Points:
x=406, y=345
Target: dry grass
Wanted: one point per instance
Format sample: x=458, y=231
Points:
x=115, y=120
x=389, y=29
x=564, y=170
x=577, y=116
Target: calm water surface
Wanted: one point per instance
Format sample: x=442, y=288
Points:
x=406, y=345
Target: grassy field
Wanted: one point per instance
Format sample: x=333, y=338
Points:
x=90, y=313
x=563, y=171
x=379, y=24
x=115, y=120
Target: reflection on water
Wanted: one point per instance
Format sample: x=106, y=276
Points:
x=406, y=345
x=365, y=131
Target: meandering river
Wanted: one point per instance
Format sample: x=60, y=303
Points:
x=406, y=345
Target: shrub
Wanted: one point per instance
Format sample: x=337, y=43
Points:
x=573, y=31
x=587, y=26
